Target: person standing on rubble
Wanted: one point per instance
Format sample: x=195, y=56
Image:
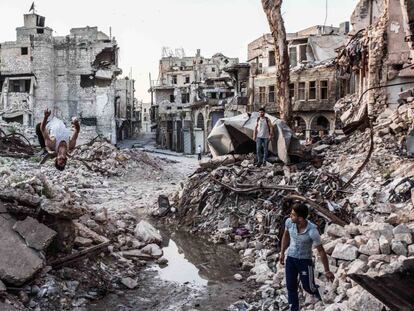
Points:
x=263, y=132
x=56, y=139
x=300, y=236
x=199, y=152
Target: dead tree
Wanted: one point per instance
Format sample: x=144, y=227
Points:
x=272, y=8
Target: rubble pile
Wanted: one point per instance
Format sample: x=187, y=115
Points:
x=242, y=206
x=106, y=159
x=52, y=226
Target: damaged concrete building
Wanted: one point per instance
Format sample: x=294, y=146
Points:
x=314, y=87
x=72, y=75
x=192, y=94
x=126, y=116
x=378, y=59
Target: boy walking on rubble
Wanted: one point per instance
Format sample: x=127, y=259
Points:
x=263, y=132
x=56, y=139
x=300, y=236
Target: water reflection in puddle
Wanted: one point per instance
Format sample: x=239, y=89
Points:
x=196, y=261
x=179, y=269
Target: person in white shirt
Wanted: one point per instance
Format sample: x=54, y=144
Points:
x=263, y=132
x=54, y=137
x=199, y=152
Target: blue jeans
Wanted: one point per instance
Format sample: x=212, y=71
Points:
x=261, y=144
x=304, y=269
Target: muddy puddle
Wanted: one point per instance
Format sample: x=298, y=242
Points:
x=199, y=276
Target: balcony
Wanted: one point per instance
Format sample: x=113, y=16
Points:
x=323, y=105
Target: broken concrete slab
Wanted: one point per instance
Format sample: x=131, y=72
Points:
x=83, y=242
x=136, y=254
x=147, y=233
x=129, y=282
x=153, y=249
x=18, y=262
x=36, y=235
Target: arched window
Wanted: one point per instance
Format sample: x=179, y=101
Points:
x=200, y=121
x=320, y=125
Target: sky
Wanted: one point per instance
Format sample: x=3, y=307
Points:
x=143, y=27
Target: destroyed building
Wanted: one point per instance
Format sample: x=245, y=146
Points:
x=314, y=87
x=192, y=94
x=378, y=58
x=126, y=116
x=145, y=111
x=72, y=75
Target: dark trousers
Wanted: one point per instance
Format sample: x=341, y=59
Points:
x=199, y=156
x=40, y=137
x=261, y=149
x=302, y=268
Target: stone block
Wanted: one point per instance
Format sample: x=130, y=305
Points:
x=345, y=252
x=399, y=248
x=36, y=235
x=18, y=262
x=371, y=248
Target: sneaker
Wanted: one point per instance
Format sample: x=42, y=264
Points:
x=264, y=163
x=259, y=164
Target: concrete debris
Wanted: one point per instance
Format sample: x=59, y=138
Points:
x=130, y=283
x=18, y=262
x=147, y=233
x=36, y=235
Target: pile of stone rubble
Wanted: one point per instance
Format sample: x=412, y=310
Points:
x=242, y=206
x=106, y=159
x=54, y=236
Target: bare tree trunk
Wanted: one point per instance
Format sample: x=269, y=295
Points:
x=272, y=8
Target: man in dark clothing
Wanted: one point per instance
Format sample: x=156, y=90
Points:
x=300, y=236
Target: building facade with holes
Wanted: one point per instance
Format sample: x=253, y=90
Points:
x=192, y=94
x=73, y=76
x=314, y=86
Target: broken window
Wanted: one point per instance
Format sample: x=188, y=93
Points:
x=87, y=81
x=105, y=58
x=262, y=95
x=174, y=79
x=19, y=86
x=302, y=53
x=172, y=98
x=24, y=50
x=89, y=121
x=292, y=91
x=312, y=90
x=302, y=91
x=293, y=56
x=272, y=60
x=213, y=69
x=187, y=79
x=185, y=98
x=324, y=89
x=18, y=119
x=271, y=94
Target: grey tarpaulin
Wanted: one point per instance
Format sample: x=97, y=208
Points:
x=235, y=136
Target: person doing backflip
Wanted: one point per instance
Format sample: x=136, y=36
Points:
x=56, y=139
